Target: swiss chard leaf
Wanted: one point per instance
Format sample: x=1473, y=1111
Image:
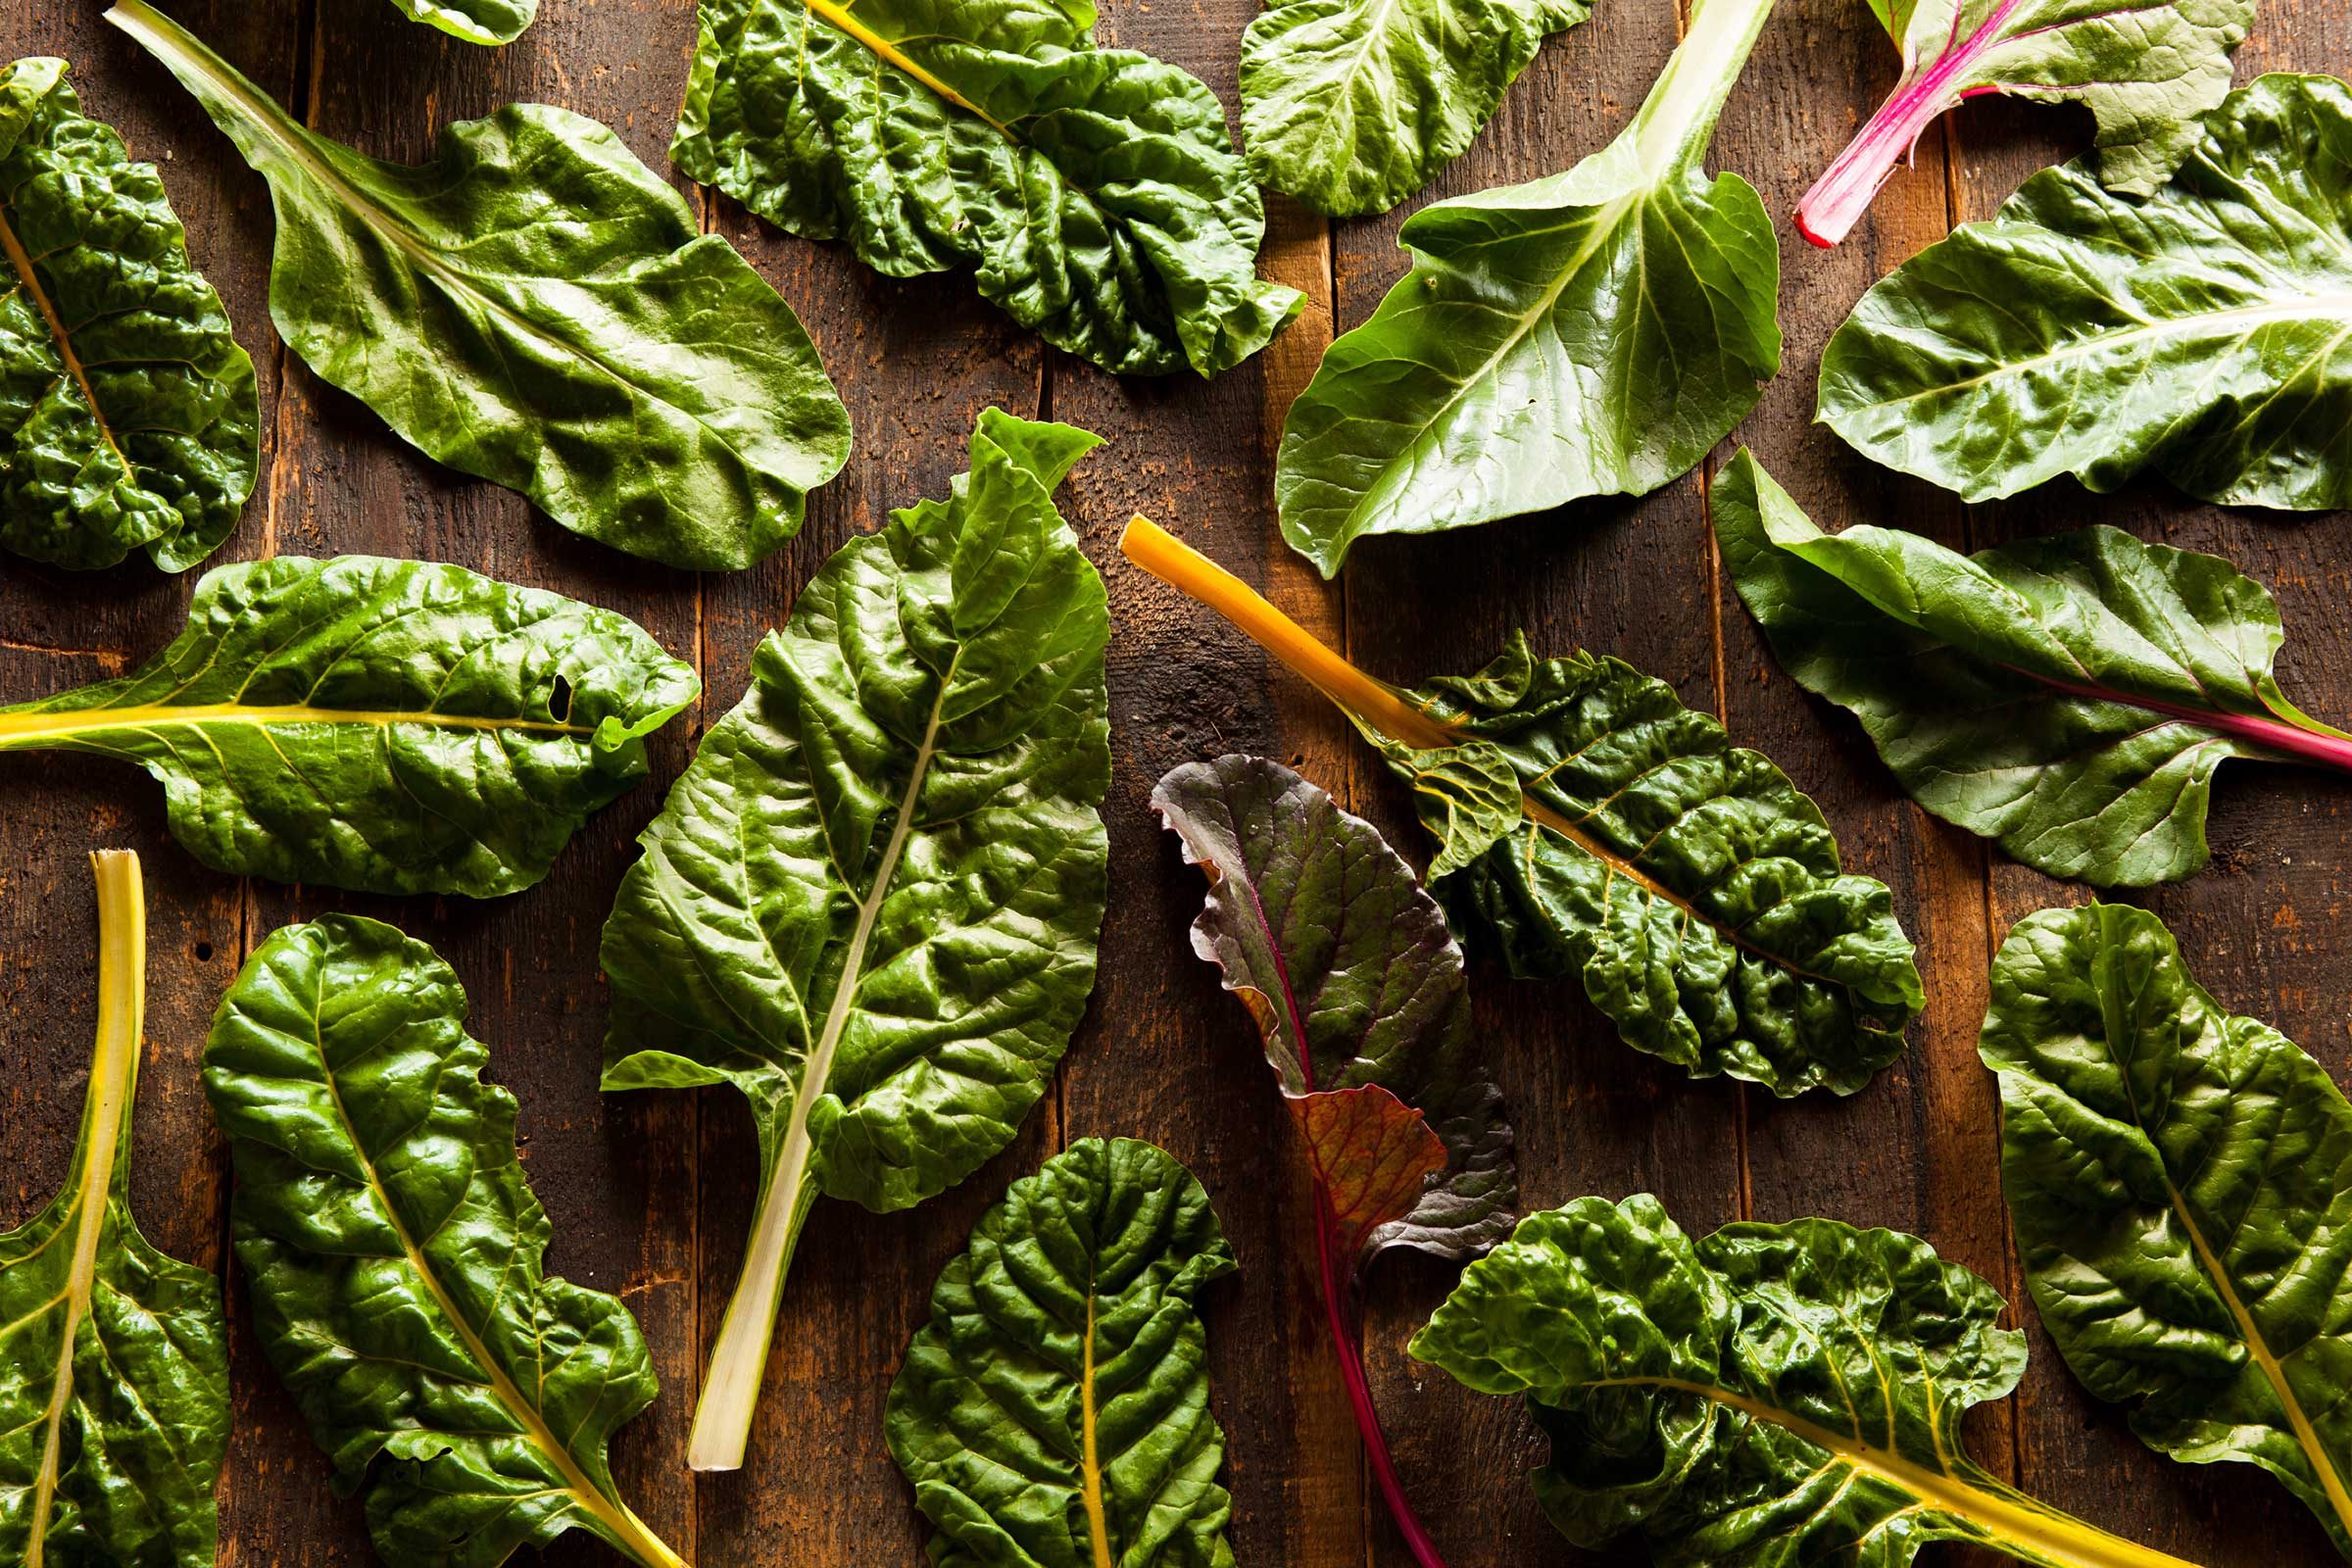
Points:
x=2146, y=73
x=2181, y=1184
x=871, y=903
x=538, y=308
x=393, y=1252
x=1695, y=892
x=474, y=21
x=1094, y=191
x=1352, y=106
x=114, y=1384
x=1771, y=1395
x=1055, y=1410
x=393, y=726
x=131, y=417
x=2070, y=696
x=2204, y=334
x=1590, y=333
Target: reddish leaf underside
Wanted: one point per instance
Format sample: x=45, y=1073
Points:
x=1373, y=1154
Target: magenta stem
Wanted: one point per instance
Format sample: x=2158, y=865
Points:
x=2272, y=734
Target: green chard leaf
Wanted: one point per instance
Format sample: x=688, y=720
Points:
x=1786, y=1394
x=392, y=727
x=537, y=308
x=393, y=1247
x=1685, y=882
x=1094, y=191
x=1592, y=333
x=871, y=903
x=1352, y=106
x=2203, y=334
x=1055, y=1410
x=474, y=21
x=131, y=415
x=116, y=1382
x=2070, y=696
x=2147, y=72
x=2180, y=1185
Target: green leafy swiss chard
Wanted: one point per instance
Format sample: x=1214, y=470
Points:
x=2204, y=333
x=1604, y=832
x=538, y=308
x=1352, y=106
x=1771, y=1395
x=2070, y=696
x=2181, y=1186
x=1592, y=333
x=1094, y=191
x=131, y=415
x=393, y=726
x=474, y=21
x=115, y=1381
x=1055, y=1410
x=393, y=1252
x=871, y=903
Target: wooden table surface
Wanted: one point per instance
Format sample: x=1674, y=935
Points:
x=649, y=1192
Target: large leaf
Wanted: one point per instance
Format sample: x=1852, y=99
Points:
x=474, y=21
x=392, y=1248
x=1592, y=333
x=1352, y=106
x=871, y=903
x=2204, y=334
x=115, y=1381
x=2146, y=73
x=1787, y=1396
x=1054, y=1413
x=2071, y=696
x=2181, y=1186
x=538, y=308
x=1094, y=191
x=131, y=415
x=388, y=725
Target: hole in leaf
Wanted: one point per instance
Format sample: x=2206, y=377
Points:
x=558, y=700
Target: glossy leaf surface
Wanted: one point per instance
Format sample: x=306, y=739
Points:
x=2179, y=1182
x=1352, y=106
x=871, y=903
x=1592, y=333
x=130, y=414
x=394, y=726
x=2071, y=696
x=474, y=21
x=1054, y=1413
x=537, y=308
x=2203, y=334
x=1095, y=192
x=392, y=1246
x=115, y=1380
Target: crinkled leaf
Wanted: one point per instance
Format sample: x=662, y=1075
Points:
x=394, y=726
x=1590, y=333
x=2204, y=334
x=474, y=21
x=538, y=308
x=1772, y=1395
x=1352, y=106
x=131, y=416
x=1467, y=796
x=114, y=1382
x=1094, y=191
x=2181, y=1186
x=392, y=1248
x=2071, y=696
x=1054, y=1413
x=871, y=903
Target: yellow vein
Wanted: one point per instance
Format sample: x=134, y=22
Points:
x=39, y=728
x=1097, y=1525
x=891, y=55
x=22, y=263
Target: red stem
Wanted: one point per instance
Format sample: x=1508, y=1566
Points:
x=2273, y=734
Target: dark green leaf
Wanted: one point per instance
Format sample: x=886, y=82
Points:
x=1054, y=1411
x=474, y=21
x=2181, y=1183
x=388, y=725
x=132, y=413
x=871, y=903
x=1592, y=333
x=537, y=307
x=2204, y=333
x=2070, y=696
x=1094, y=191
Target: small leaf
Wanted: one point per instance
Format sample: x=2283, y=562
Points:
x=1372, y=1154
x=474, y=21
